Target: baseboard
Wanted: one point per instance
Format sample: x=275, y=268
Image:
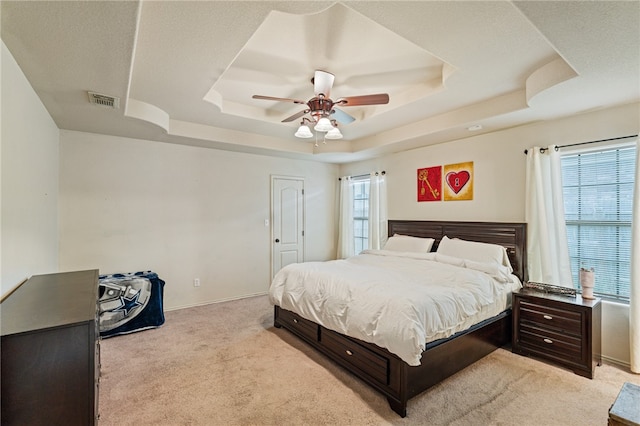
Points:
x=210, y=302
x=616, y=362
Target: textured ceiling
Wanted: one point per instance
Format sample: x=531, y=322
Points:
x=185, y=71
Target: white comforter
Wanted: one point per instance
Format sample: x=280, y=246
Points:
x=399, y=301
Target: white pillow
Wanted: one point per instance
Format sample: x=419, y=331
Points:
x=407, y=243
x=474, y=251
x=500, y=272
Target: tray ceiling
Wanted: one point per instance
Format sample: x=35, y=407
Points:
x=185, y=71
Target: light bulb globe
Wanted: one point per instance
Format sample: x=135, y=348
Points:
x=324, y=125
x=333, y=134
x=303, y=132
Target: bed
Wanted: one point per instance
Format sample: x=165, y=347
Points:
x=393, y=372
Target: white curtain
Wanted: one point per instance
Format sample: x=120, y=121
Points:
x=634, y=299
x=377, y=211
x=345, y=220
x=547, y=248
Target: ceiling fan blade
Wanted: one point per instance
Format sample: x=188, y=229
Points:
x=295, y=116
x=377, y=99
x=322, y=83
x=342, y=117
x=271, y=98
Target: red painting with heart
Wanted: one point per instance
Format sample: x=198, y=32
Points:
x=458, y=181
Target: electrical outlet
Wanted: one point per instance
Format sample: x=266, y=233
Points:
x=196, y=282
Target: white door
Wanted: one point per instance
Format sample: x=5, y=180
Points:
x=287, y=222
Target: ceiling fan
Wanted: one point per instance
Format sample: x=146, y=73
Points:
x=322, y=106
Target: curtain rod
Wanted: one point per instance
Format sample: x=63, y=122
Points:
x=366, y=174
x=586, y=143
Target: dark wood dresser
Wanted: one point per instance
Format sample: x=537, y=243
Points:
x=50, y=351
x=562, y=329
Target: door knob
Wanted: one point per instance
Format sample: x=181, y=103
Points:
x=277, y=240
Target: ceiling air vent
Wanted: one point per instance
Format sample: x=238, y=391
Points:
x=104, y=100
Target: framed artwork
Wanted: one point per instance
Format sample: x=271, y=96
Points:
x=430, y=184
x=458, y=181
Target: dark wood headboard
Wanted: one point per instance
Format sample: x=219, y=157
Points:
x=513, y=236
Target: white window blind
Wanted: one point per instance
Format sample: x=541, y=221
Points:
x=361, y=213
x=598, y=198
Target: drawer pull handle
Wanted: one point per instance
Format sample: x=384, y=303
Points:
x=295, y=320
x=349, y=352
x=547, y=340
x=549, y=317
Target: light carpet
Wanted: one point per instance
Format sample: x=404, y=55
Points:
x=225, y=364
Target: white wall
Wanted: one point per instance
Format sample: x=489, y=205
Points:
x=29, y=156
x=499, y=183
x=184, y=212
x=499, y=165
x=615, y=332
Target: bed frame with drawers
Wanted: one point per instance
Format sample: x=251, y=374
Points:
x=386, y=372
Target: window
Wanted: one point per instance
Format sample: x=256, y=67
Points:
x=361, y=214
x=598, y=199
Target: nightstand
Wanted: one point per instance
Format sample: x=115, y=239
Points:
x=564, y=330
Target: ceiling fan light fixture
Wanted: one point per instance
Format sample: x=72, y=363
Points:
x=323, y=125
x=320, y=108
x=304, y=132
x=333, y=134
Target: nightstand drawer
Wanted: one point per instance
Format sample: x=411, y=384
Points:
x=547, y=317
x=548, y=341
